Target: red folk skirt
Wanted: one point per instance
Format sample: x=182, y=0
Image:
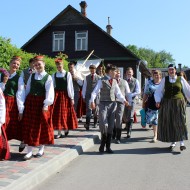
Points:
x=12, y=126
x=4, y=147
x=81, y=106
x=37, y=125
x=64, y=116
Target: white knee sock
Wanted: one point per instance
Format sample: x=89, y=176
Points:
x=29, y=151
x=41, y=149
x=182, y=143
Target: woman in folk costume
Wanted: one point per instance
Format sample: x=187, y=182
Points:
x=64, y=115
x=149, y=100
x=14, y=92
x=169, y=97
x=4, y=147
x=37, y=118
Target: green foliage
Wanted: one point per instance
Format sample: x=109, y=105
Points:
x=155, y=59
x=7, y=51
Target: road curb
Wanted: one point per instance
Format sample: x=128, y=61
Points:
x=51, y=167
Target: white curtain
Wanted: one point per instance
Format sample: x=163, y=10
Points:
x=82, y=70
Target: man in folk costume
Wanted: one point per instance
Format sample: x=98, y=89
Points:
x=89, y=83
x=77, y=85
x=37, y=118
x=170, y=98
x=4, y=147
x=108, y=89
x=124, y=87
x=14, y=92
x=64, y=115
x=135, y=90
x=28, y=71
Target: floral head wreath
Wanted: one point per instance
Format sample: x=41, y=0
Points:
x=4, y=71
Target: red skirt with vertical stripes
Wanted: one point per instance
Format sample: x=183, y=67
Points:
x=12, y=126
x=37, y=125
x=4, y=146
x=64, y=116
x=81, y=106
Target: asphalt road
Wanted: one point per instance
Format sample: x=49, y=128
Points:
x=137, y=164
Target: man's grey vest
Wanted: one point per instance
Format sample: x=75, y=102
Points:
x=107, y=92
x=76, y=86
x=122, y=86
x=26, y=75
x=132, y=84
x=90, y=84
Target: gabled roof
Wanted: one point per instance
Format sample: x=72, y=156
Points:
x=69, y=7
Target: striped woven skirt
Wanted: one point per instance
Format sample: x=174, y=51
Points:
x=37, y=125
x=172, y=121
x=12, y=126
x=64, y=115
x=4, y=146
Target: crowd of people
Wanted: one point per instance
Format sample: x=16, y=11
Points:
x=34, y=104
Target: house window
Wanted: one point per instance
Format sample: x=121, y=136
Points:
x=58, y=41
x=81, y=41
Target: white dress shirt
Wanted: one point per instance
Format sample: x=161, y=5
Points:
x=158, y=95
x=127, y=90
x=137, y=90
x=70, y=89
x=97, y=88
x=85, y=85
x=2, y=109
x=20, y=94
x=49, y=95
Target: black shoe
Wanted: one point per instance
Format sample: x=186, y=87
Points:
x=128, y=136
x=86, y=126
x=38, y=155
x=117, y=141
x=172, y=147
x=182, y=148
x=103, y=142
x=27, y=158
x=66, y=133
x=108, y=144
x=109, y=150
x=21, y=147
x=58, y=136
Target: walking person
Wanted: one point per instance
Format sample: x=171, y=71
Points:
x=124, y=87
x=77, y=85
x=14, y=92
x=89, y=83
x=149, y=101
x=170, y=98
x=134, y=91
x=4, y=146
x=108, y=89
x=37, y=118
x=64, y=116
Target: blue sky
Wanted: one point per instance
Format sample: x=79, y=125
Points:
x=155, y=24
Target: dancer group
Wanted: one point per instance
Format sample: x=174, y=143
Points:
x=34, y=104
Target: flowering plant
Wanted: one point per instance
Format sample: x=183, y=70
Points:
x=4, y=71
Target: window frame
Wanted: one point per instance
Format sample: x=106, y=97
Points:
x=53, y=43
x=81, y=38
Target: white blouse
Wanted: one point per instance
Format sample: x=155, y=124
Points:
x=158, y=95
x=49, y=96
x=2, y=109
x=20, y=94
x=70, y=89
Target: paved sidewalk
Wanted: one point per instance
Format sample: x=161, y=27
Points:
x=16, y=174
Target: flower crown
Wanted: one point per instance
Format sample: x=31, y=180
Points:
x=4, y=71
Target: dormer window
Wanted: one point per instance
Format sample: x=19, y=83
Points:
x=81, y=40
x=59, y=41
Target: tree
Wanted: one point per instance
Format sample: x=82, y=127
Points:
x=155, y=59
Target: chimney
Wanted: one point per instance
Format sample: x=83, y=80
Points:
x=109, y=27
x=83, y=6
x=179, y=67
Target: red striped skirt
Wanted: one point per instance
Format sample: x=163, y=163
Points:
x=81, y=106
x=4, y=146
x=37, y=125
x=12, y=126
x=64, y=116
